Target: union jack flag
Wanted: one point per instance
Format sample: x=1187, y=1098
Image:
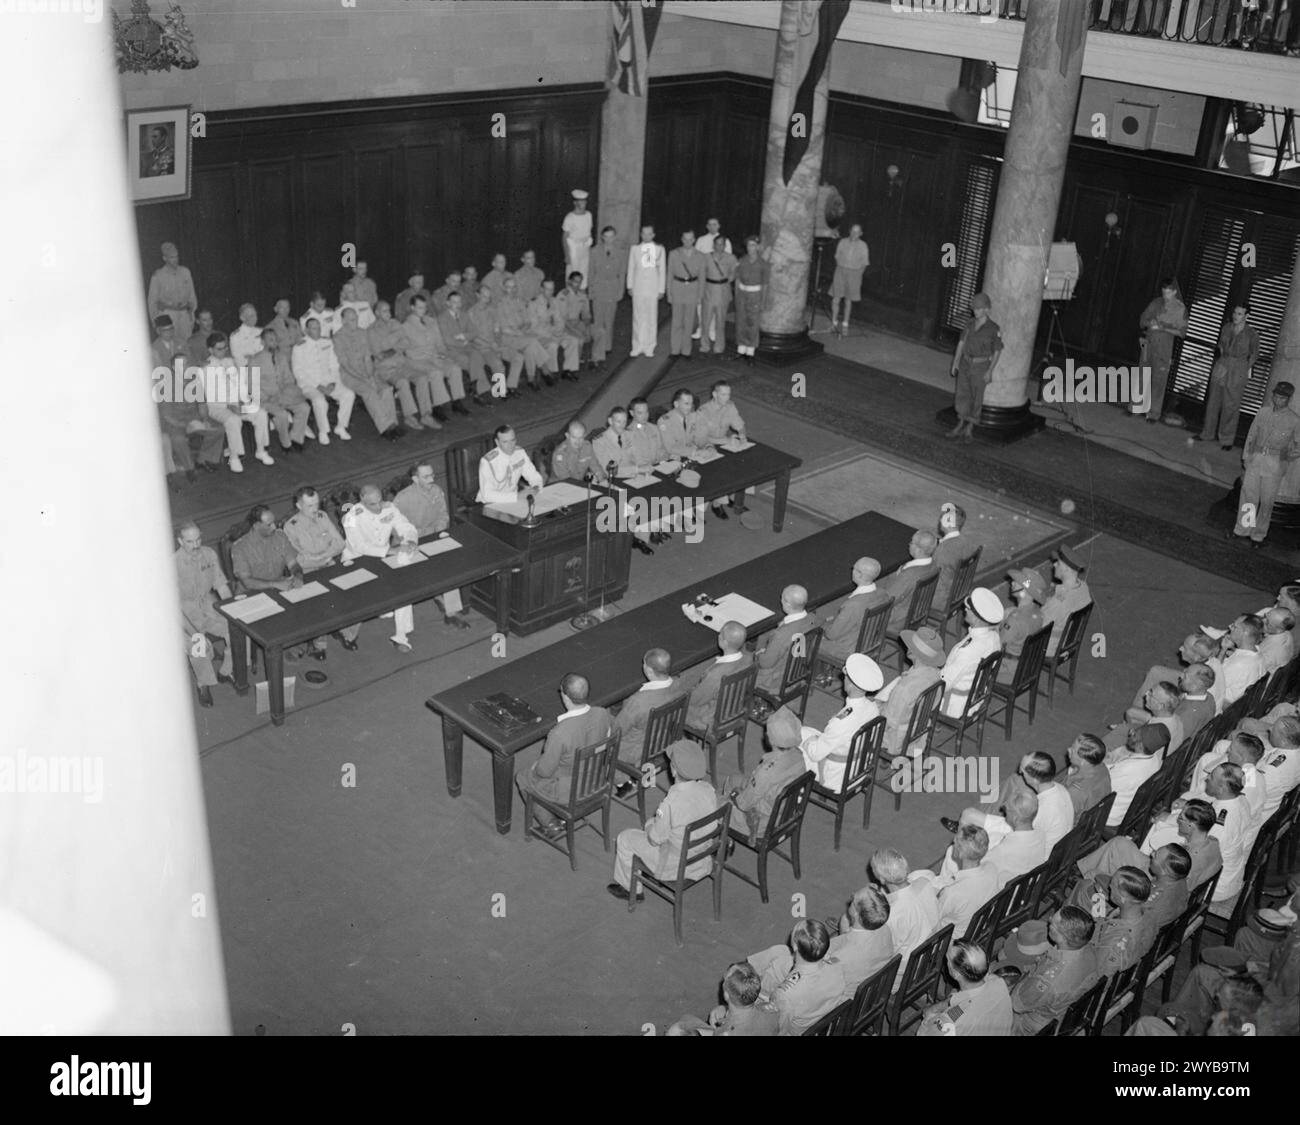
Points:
x=632, y=34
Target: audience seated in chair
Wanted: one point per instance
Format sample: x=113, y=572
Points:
x=981, y=1004
x=1036, y=774
x=659, y=843
x=900, y=584
x=897, y=699
x=551, y=775
x=1160, y=706
x=771, y=656
x=1167, y=868
x=826, y=752
x=983, y=617
x=913, y=904
x=1140, y=758
x=814, y=983
x=1070, y=593
x=1189, y=828
x=743, y=1011
x=1058, y=976
x=969, y=884
x=1022, y=620
x=951, y=549
x=841, y=631
x=1087, y=780
x=1123, y=935
x=704, y=681
x=753, y=798
x=1020, y=850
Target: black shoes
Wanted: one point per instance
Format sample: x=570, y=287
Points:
x=459, y=407
x=351, y=646
x=949, y=823
x=484, y=401
x=440, y=415
x=626, y=790
x=642, y=546
x=569, y=376
x=205, y=696
x=721, y=513
x=455, y=620
x=548, y=378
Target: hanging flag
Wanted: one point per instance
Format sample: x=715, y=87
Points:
x=797, y=132
x=632, y=35
x=1071, y=27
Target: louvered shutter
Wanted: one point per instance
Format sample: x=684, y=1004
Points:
x=1276, y=249
x=973, y=238
x=1217, y=258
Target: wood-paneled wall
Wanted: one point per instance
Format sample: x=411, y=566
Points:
x=412, y=182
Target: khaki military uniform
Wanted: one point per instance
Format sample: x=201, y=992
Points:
x=1058, y=978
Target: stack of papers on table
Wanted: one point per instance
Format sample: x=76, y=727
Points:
x=438, y=546
x=550, y=498
x=730, y=607
x=352, y=578
x=667, y=468
x=735, y=445
x=302, y=593
x=253, y=608
x=705, y=456
x=643, y=480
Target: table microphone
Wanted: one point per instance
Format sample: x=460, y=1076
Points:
x=531, y=521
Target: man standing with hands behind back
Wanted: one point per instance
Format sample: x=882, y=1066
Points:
x=605, y=284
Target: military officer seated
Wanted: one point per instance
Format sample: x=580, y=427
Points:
x=551, y=776
x=744, y=1012
x=1122, y=938
x=841, y=632
x=369, y=528
x=573, y=458
x=501, y=468
x=659, y=844
x=982, y=1003
x=771, y=658
x=753, y=798
x=704, y=682
x=635, y=712
x=812, y=986
x=826, y=752
x=1059, y=976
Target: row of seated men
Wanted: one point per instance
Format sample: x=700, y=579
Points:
x=366, y=522
x=270, y=557
x=417, y=353
x=1213, y=824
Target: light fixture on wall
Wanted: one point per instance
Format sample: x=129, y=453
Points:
x=1112, y=226
x=144, y=44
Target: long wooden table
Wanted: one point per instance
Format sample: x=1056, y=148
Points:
x=479, y=556
x=609, y=655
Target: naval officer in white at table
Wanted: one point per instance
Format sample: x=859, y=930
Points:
x=370, y=528
x=500, y=469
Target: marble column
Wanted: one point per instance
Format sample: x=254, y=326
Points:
x=622, y=168
x=1286, y=368
x=107, y=870
x=790, y=210
x=1029, y=193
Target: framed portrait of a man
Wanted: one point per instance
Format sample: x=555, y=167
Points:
x=158, y=153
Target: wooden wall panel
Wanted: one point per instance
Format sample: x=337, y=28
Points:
x=276, y=193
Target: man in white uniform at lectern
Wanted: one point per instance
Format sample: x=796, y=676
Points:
x=500, y=469
x=577, y=236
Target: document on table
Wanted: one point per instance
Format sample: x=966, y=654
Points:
x=736, y=445
x=253, y=608
x=644, y=480
x=705, y=456
x=729, y=607
x=438, y=546
x=666, y=468
x=302, y=593
x=403, y=558
x=553, y=496
x=352, y=578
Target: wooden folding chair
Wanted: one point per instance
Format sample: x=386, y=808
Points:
x=1064, y=663
x=963, y=582
x=859, y=776
x=785, y=823
x=922, y=980
x=871, y=638
x=730, y=717
x=1081, y=1017
x=591, y=791
x=664, y=725
x=975, y=712
x=869, y=1007
x=705, y=839
x=1029, y=670
x=918, y=611
x=796, y=680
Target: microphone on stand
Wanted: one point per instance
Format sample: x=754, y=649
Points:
x=531, y=521
x=589, y=617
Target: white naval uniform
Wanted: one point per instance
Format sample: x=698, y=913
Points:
x=370, y=535
x=577, y=244
x=498, y=476
x=826, y=752
x=647, y=281
x=959, y=669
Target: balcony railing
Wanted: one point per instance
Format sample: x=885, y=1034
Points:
x=1271, y=26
